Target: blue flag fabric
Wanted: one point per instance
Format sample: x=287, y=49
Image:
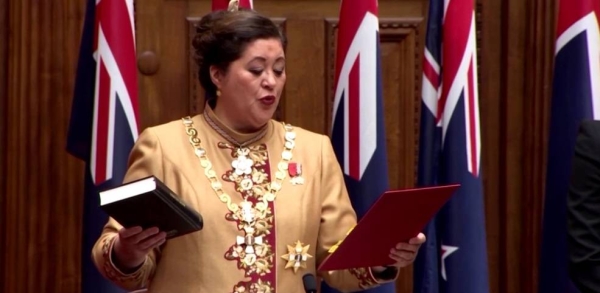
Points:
x=358, y=132
x=101, y=138
x=575, y=90
x=454, y=258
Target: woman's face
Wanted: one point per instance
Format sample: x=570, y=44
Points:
x=252, y=86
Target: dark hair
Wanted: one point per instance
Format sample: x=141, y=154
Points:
x=221, y=38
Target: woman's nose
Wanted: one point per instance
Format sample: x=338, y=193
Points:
x=269, y=81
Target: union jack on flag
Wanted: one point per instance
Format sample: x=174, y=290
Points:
x=454, y=258
x=104, y=115
x=358, y=133
x=116, y=85
x=223, y=4
x=575, y=97
x=442, y=91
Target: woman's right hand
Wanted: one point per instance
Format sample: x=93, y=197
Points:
x=133, y=245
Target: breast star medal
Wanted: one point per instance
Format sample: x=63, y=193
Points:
x=297, y=256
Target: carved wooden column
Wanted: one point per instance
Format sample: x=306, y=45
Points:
x=41, y=184
x=489, y=30
x=3, y=130
x=512, y=90
x=536, y=104
x=516, y=65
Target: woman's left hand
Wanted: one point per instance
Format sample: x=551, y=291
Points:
x=405, y=253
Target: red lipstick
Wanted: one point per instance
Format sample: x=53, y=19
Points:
x=268, y=100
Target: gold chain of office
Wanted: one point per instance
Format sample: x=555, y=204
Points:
x=217, y=186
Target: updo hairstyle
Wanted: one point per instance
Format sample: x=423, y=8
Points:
x=221, y=38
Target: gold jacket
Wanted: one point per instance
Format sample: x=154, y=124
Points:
x=311, y=211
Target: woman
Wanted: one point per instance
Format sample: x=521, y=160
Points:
x=272, y=195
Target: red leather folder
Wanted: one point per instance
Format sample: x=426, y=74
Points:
x=395, y=217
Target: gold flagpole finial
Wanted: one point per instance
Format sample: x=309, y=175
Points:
x=234, y=5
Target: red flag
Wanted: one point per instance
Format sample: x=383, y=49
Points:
x=358, y=128
x=356, y=83
x=223, y=4
x=575, y=98
x=455, y=257
x=116, y=83
x=104, y=117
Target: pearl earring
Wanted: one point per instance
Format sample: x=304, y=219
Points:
x=218, y=93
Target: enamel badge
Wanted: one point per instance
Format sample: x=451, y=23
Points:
x=295, y=171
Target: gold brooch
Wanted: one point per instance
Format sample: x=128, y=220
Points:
x=297, y=256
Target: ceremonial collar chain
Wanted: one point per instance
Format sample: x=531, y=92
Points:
x=228, y=137
x=253, y=250
x=216, y=185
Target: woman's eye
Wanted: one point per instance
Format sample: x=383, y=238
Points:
x=279, y=72
x=256, y=71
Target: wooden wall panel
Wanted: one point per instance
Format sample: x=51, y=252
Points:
x=489, y=56
x=305, y=100
x=511, y=92
x=516, y=45
x=401, y=72
x=43, y=185
x=161, y=42
x=536, y=98
x=312, y=8
x=3, y=128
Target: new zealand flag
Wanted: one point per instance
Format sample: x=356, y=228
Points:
x=358, y=134
x=454, y=258
x=104, y=124
x=575, y=97
x=224, y=4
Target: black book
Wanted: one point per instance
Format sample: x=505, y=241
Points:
x=150, y=203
